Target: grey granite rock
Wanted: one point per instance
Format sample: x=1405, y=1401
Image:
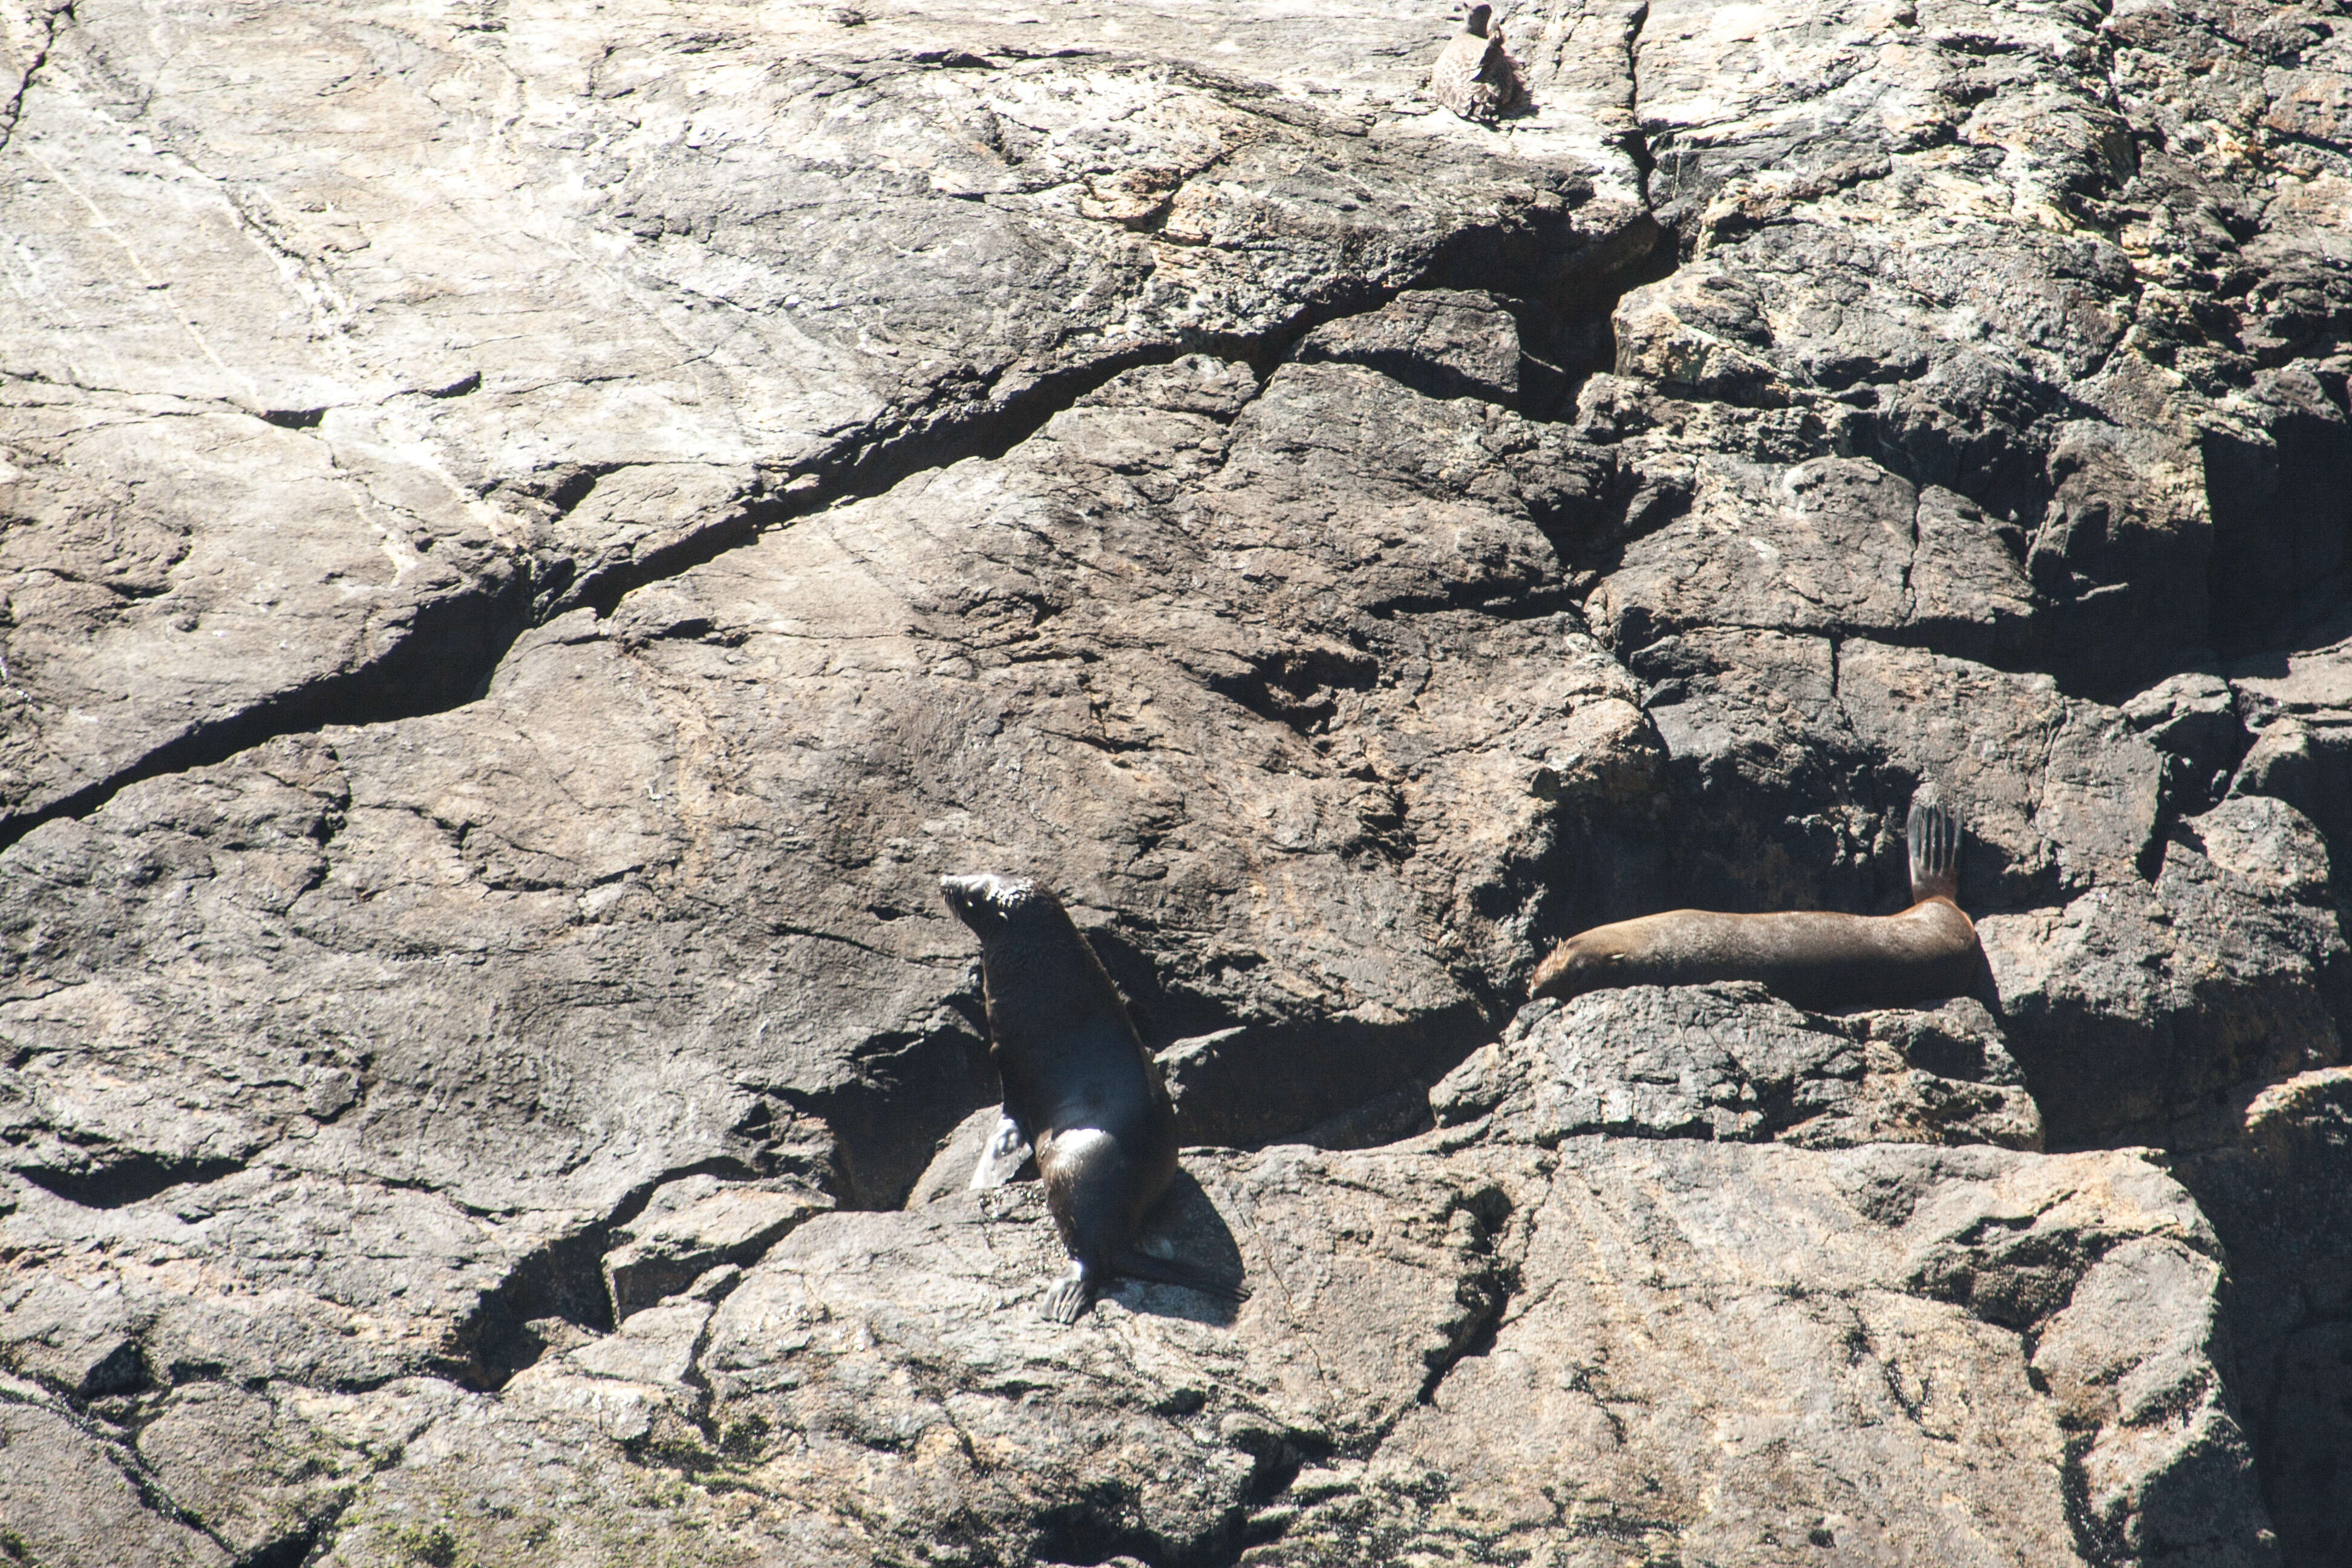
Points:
x=693, y=1226
x=530, y=535
x=1644, y=1320
x=1443, y=1354
x=1733, y=1064
x=67, y=1495
x=442, y=452
x=1834, y=545
x=2149, y=1014
x=2279, y=1196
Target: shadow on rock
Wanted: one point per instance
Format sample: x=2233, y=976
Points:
x=1185, y=1226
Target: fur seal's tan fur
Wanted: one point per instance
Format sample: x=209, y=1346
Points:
x=1475, y=75
x=1814, y=958
x=1078, y=1085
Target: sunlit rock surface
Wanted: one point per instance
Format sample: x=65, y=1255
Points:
x=531, y=535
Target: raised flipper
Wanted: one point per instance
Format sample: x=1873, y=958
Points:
x=1001, y=1158
x=1934, y=837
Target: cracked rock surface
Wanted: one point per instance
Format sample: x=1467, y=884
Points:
x=531, y=535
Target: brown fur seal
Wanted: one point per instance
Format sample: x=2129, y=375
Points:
x=1080, y=1085
x=1813, y=958
x=1475, y=75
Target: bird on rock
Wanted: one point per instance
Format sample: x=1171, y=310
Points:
x=1475, y=77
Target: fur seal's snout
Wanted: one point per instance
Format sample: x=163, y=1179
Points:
x=985, y=902
x=1079, y=1088
x=1577, y=965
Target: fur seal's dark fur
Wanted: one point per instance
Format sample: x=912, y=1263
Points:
x=1079, y=1083
x=1813, y=958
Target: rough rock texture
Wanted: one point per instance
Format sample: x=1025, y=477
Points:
x=2280, y=1198
x=1654, y=1347
x=1734, y=1064
x=532, y=533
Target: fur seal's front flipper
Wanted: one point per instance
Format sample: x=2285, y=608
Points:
x=1814, y=958
x=1078, y=1085
x=1001, y=1157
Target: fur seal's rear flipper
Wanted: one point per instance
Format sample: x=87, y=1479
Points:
x=1933, y=835
x=1812, y=957
x=1138, y=1265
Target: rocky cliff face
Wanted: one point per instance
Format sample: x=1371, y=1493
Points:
x=531, y=535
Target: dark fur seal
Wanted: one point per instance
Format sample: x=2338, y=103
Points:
x=1814, y=958
x=1080, y=1085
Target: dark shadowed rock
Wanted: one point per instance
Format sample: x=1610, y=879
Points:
x=1794, y=759
x=2299, y=708
x=2192, y=717
x=2149, y=1013
x=1447, y=343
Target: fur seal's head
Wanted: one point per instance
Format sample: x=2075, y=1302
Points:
x=1586, y=962
x=993, y=905
x=1474, y=23
x=1042, y=979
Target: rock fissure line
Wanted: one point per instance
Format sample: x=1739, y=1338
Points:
x=1498, y=1285
x=1637, y=139
x=419, y=678
x=2094, y=1542
x=706, y=1416
x=142, y=1177
x=14, y=108
x=304, y=1543
x=291, y=264
x=121, y=1453
x=563, y=1278
x=423, y=674
x=1927, y=640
